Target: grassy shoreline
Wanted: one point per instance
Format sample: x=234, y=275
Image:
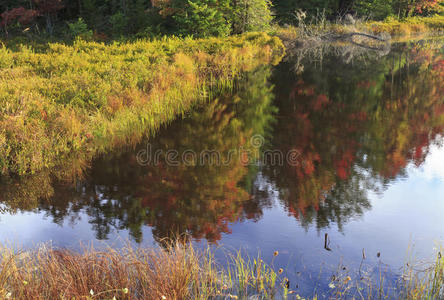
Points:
x=408, y=26
x=67, y=103
x=179, y=271
x=71, y=102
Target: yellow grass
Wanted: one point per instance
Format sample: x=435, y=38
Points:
x=408, y=26
x=72, y=102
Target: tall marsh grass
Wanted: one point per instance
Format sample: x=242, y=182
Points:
x=83, y=99
x=425, y=281
x=179, y=271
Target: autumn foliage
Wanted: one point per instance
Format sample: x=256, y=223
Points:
x=26, y=16
x=377, y=126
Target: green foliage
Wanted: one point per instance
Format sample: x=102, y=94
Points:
x=251, y=15
x=79, y=29
x=202, y=18
x=375, y=9
x=199, y=18
x=118, y=23
x=286, y=10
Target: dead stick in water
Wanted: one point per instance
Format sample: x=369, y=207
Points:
x=326, y=242
x=360, y=266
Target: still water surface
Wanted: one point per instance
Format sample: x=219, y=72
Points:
x=335, y=141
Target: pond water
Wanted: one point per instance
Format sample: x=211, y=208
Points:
x=334, y=152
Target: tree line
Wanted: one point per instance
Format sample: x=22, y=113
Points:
x=199, y=18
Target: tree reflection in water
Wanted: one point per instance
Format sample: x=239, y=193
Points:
x=356, y=125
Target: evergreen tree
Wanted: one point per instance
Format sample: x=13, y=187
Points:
x=251, y=15
x=202, y=18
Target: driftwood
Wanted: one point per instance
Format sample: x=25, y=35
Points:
x=314, y=41
x=349, y=38
x=344, y=47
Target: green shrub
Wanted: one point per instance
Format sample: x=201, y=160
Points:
x=374, y=9
x=79, y=29
x=118, y=23
x=202, y=18
x=252, y=15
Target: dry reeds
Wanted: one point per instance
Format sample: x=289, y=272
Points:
x=177, y=271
